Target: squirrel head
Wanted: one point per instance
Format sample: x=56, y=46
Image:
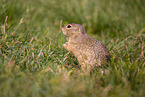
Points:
x=73, y=30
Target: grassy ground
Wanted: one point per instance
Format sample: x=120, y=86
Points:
x=34, y=64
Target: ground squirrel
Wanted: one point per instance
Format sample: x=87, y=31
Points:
x=88, y=51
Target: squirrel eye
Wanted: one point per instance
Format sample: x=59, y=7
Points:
x=69, y=26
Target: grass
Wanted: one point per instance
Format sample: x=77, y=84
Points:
x=33, y=62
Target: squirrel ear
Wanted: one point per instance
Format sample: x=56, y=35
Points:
x=76, y=29
x=81, y=30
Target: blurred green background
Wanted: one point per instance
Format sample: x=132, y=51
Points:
x=33, y=62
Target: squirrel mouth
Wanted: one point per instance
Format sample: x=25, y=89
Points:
x=64, y=33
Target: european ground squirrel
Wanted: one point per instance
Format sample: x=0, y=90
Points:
x=88, y=51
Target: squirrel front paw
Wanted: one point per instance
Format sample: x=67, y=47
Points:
x=65, y=45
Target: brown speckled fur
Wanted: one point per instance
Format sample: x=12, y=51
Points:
x=88, y=51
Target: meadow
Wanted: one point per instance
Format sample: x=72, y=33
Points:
x=33, y=62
